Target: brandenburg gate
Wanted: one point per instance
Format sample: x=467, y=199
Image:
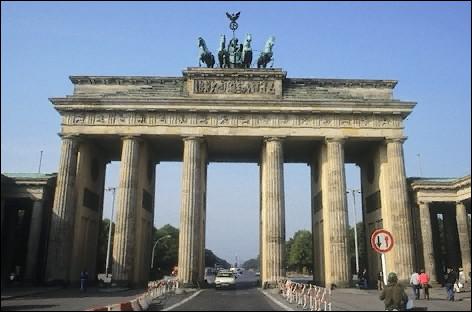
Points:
x=255, y=115
x=232, y=113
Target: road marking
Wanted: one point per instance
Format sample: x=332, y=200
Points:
x=283, y=306
x=182, y=302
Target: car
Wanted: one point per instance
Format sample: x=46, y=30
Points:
x=225, y=279
x=210, y=274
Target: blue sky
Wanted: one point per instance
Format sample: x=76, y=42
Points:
x=425, y=46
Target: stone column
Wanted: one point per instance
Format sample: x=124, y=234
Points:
x=399, y=208
x=261, y=216
x=190, y=237
x=273, y=210
x=33, y=241
x=338, y=217
x=451, y=235
x=427, y=239
x=461, y=218
x=63, y=213
x=124, y=239
x=202, y=215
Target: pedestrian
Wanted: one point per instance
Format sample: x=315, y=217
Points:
x=393, y=295
x=380, y=282
x=424, y=282
x=450, y=281
x=461, y=280
x=83, y=280
x=363, y=279
x=415, y=285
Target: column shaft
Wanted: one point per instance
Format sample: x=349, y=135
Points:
x=427, y=239
x=62, y=219
x=337, y=210
x=273, y=212
x=124, y=239
x=33, y=241
x=191, y=213
x=399, y=207
x=462, y=227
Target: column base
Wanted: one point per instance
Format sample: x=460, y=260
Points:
x=191, y=285
x=269, y=285
x=121, y=284
x=339, y=284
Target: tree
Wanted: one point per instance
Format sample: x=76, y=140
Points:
x=361, y=246
x=103, y=245
x=300, y=252
x=252, y=264
x=166, y=252
x=211, y=260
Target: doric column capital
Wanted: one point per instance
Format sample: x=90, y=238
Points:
x=460, y=203
x=395, y=139
x=274, y=139
x=339, y=139
x=424, y=203
x=136, y=137
x=73, y=137
x=199, y=138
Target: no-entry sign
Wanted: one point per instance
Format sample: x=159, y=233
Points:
x=381, y=241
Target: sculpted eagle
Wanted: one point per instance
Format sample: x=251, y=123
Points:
x=233, y=17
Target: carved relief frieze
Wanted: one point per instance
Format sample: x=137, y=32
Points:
x=233, y=119
x=216, y=86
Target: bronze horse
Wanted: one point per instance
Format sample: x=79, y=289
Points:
x=266, y=56
x=205, y=55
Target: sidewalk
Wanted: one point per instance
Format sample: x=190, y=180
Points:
x=352, y=299
x=10, y=293
x=62, y=299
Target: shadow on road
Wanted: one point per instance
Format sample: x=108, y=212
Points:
x=27, y=307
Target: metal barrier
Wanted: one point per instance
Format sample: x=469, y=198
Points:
x=306, y=296
x=155, y=289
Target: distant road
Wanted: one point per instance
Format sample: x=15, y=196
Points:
x=246, y=297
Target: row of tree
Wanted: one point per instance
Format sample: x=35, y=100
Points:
x=299, y=252
x=165, y=254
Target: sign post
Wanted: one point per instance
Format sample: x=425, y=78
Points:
x=381, y=242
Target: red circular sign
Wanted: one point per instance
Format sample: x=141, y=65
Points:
x=381, y=241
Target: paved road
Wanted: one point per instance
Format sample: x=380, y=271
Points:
x=68, y=299
x=246, y=297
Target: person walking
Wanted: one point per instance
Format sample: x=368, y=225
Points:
x=415, y=285
x=424, y=282
x=363, y=279
x=450, y=281
x=83, y=280
x=393, y=295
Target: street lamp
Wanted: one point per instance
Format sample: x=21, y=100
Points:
x=109, y=229
x=154, y=248
x=353, y=192
x=419, y=164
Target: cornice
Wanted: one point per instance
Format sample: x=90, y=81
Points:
x=353, y=104
x=234, y=73
x=349, y=83
x=424, y=184
x=121, y=80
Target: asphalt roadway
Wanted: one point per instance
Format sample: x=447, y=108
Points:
x=245, y=297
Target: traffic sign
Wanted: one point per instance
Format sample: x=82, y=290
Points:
x=381, y=241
